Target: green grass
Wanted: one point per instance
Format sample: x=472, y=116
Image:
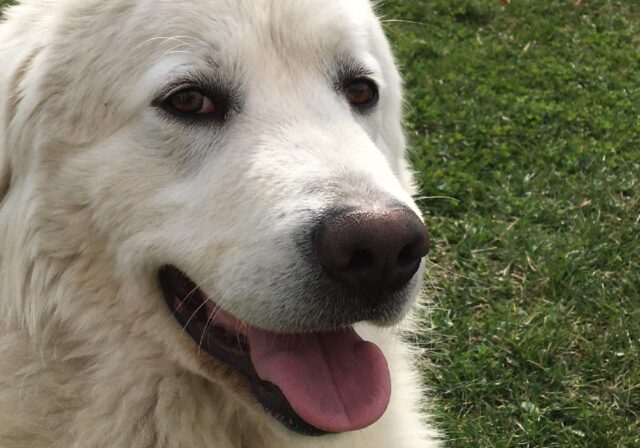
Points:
x=528, y=117
x=525, y=131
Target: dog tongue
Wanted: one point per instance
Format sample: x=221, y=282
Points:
x=336, y=382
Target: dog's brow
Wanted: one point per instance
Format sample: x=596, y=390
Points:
x=173, y=40
x=352, y=68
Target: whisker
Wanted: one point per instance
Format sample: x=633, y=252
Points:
x=428, y=198
x=178, y=52
x=408, y=22
x=184, y=328
x=433, y=286
x=210, y=319
x=183, y=40
x=448, y=271
x=175, y=49
x=187, y=297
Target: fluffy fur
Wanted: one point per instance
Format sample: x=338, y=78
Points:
x=98, y=188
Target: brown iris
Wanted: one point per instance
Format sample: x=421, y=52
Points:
x=187, y=101
x=361, y=93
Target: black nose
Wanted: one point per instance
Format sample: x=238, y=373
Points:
x=372, y=252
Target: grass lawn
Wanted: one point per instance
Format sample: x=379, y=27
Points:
x=524, y=122
x=527, y=116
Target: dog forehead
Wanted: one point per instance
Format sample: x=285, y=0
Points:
x=125, y=52
x=297, y=28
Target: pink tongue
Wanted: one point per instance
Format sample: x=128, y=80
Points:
x=336, y=382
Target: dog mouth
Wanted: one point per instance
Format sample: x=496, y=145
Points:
x=314, y=383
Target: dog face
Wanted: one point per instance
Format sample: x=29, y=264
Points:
x=242, y=163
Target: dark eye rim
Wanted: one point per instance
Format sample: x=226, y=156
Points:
x=375, y=97
x=224, y=105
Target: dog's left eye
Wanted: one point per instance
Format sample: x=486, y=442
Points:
x=362, y=93
x=190, y=101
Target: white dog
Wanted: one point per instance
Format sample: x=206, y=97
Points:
x=205, y=212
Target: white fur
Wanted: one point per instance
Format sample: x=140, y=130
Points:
x=97, y=190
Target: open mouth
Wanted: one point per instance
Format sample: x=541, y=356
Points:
x=314, y=383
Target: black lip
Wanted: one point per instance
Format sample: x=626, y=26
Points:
x=192, y=317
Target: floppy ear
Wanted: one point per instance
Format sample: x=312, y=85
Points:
x=21, y=41
x=11, y=94
x=5, y=163
x=5, y=172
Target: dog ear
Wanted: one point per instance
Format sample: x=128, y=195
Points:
x=5, y=173
x=12, y=90
x=5, y=162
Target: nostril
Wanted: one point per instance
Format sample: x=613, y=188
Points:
x=361, y=260
x=372, y=253
x=407, y=256
x=410, y=254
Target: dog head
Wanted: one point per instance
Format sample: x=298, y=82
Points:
x=237, y=169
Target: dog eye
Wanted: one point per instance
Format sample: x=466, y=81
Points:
x=362, y=93
x=191, y=101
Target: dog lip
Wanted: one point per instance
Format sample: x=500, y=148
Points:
x=225, y=341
